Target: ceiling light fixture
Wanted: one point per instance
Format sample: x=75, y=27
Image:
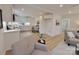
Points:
x=60, y=5
x=69, y=12
x=22, y=9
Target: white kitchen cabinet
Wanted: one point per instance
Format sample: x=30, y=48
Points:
x=10, y=37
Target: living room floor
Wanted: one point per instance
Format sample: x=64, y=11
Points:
x=51, y=42
x=57, y=46
x=63, y=49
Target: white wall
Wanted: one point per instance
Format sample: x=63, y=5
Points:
x=56, y=28
x=6, y=12
x=74, y=21
x=49, y=26
x=74, y=18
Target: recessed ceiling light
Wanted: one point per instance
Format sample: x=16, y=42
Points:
x=22, y=9
x=60, y=5
x=69, y=12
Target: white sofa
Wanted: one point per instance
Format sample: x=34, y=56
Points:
x=71, y=39
x=27, y=46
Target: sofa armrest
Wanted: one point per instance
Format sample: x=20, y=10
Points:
x=41, y=47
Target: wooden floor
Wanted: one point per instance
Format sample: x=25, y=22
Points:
x=51, y=42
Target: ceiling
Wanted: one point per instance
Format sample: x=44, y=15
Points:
x=37, y=9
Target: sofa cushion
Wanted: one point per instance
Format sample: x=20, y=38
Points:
x=31, y=44
x=70, y=34
x=40, y=52
x=24, y=46
x=19, y=48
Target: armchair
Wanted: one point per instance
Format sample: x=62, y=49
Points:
x=71, y=39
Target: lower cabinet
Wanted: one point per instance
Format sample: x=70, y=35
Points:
x=10, y=38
